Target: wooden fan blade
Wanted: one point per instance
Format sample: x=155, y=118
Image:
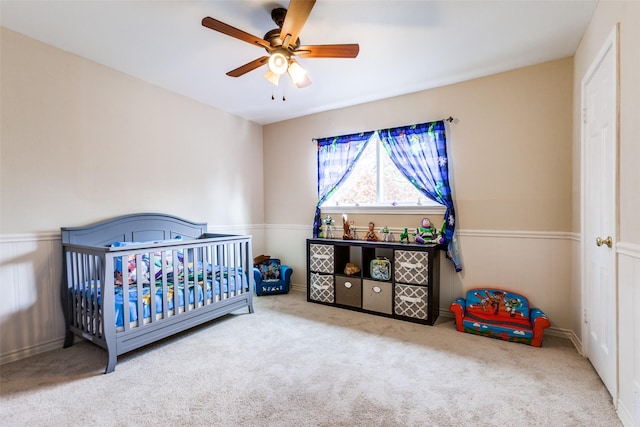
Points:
x=328, y=51
x=297, y=15
x=227, y=29
x=250, y=66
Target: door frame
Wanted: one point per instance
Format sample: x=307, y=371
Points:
x=610, y=43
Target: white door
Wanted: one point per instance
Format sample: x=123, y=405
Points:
x=599, y=172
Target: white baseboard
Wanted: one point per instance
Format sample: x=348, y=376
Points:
x=298, y=287
x=625, y=416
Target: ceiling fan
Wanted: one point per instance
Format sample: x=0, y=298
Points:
x=283, y=45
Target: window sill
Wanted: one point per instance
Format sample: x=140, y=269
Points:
x=386, y=210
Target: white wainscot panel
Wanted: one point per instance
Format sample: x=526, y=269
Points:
x=31, y=319
x=629, y=333
x=288, y=242
x=537, y=265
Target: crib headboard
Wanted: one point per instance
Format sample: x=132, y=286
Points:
x=140, y=227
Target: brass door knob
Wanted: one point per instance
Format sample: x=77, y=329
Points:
x=600, y=241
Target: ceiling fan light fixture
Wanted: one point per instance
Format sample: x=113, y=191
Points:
x=304, y=83
x=272, y=77
x=278, y=63
x=298, y=74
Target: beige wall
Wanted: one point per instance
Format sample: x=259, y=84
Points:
x=510, y=166
x=625, y=14
x=82, y=142
x=510, y=149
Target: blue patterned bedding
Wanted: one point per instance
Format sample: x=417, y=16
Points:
x=228, y=286
x=167, y=267
x=169, y=263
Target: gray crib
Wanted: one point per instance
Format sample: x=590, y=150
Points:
x=135, y=279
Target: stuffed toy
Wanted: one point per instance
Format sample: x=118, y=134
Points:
x=259, y=259
x=427, y=233
x=351, y=269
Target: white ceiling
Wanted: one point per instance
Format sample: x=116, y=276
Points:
x=405, y=46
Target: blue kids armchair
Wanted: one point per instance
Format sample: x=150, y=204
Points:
x=271, y=276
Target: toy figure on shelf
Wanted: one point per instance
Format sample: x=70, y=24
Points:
x=385, y=234
x=404, y=235
x=346, y=228
x=328, y=222
x=426, y=233
x=352, y=230
x=371, y=235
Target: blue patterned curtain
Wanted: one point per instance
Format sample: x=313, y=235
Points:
x=336, y=157
x=420, y=153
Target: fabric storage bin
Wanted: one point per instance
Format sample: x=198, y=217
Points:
x=321, y=288
x=411, y=301
x=321, y=258
x=349, y=291
x=377, y=296
x=411, y=267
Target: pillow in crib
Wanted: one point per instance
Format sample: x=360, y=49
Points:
x=132, y=267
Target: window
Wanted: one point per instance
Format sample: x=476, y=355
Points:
x=418, y=150
x=375, y=181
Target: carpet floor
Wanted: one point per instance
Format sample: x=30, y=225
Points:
x=294, y=363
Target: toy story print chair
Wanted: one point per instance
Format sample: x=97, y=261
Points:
x=497, y=313
x=271, y=277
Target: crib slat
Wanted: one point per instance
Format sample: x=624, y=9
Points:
x=125, y=296
x=210, y=280
x=165, y=287
x=90, y=296
x=224, y=259
x=152, y=286
x=215, y=262
x=85, y=290
x=247, y=267
x=237, y=281
x=231, y=264
x=139, y=290
x=176, y=284
x=189, y=285
x=75, y=288
x=102, y=280
x=230, y=268
x=78, y=305
x=196, y=278
x=205, y=275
